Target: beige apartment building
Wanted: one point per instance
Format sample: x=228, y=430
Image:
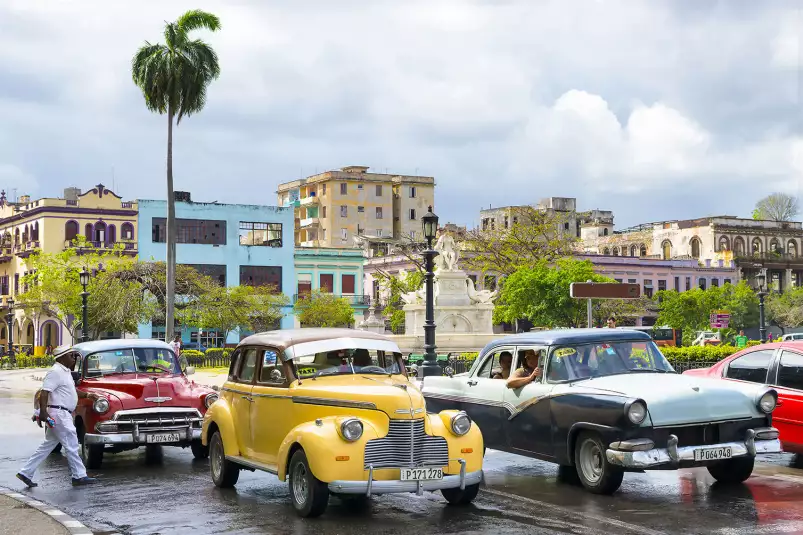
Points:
x=340, y=208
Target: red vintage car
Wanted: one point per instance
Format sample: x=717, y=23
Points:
x=146, y=399
x=779, y=365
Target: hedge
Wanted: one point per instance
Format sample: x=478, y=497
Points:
x=214, y=357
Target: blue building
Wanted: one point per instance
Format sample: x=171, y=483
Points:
x=232, y=243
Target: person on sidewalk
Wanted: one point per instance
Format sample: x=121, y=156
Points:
x=57, y=402
x=741, y=340
x=176, y=345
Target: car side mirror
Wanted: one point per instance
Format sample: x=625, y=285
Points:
x=189, y=370
x=448, y=371
x=76, y=377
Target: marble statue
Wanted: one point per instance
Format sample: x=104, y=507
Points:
x=481, y=296
x=448, y=253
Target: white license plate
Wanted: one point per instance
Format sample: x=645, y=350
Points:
x=421, y=474
x=713, y=454
x=161, y=438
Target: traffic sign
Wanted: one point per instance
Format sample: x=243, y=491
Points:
x=719, y=319
x=604, y=290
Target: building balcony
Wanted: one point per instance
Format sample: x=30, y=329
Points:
x=312, y=200
x=769, y=258
x=129, y=247
x=24, y=250
x=309, y=243
x=309, y=222
x=355, y=300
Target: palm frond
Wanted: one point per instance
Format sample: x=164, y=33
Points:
x=150, y=68
x=196, y=19
x=174, y=37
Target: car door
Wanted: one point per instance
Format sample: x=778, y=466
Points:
x=752, y=367
x=241, y=399
x=483, y=397
x=272, y=409
x=788, y=416
x=529, y=424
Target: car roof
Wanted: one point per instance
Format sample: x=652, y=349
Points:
x=285, y=338
x=569, y=336
x=85, y=348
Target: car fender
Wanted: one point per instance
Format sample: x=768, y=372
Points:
x=219, y=414
x=470, y=447
x=607, y=432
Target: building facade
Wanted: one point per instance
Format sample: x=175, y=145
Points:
x=335, y=207
x=570, y=221
x=49, y=225
x=332, y=270
x=232, y=243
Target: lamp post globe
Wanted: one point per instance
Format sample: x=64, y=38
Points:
x=429, y=223
x=83, y=277
x=10, y=330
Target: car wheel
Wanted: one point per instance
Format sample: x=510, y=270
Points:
x=732, y=471
x=310, y=496
x=456, y=496
x=91, y=454
x=199, y=451
x=224, y=472
x=595, y=472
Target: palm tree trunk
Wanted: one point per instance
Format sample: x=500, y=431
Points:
x=170, y=233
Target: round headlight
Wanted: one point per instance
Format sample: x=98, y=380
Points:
x=637, y=412
x=209, y=399
x=351, y=429
x=101, y=405
x=767, y=402
x=461, y=424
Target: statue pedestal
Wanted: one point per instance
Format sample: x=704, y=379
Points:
x=372, y=324
x=459, y=319
x=450, y=288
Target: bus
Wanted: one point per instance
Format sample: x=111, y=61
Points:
x=663, y=336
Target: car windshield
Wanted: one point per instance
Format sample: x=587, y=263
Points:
x=139, y=360
x=586, y=361
x=348, y=362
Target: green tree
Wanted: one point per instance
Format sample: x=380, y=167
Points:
x=116, y=305
x=394, y=286
x=248, y=308
x=174, y=78
x=322, y=309
x=541, y=294
x=786, y=309
x=777, y=207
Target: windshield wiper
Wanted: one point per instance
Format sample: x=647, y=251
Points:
x=653, y=370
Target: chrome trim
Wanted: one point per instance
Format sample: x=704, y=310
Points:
x=766, y=433
x=129, y=438
x=704, y=422
x=271, y=396
x=461, y=481
x=235, y=391
x=251, y=464
x=644, y=460
x=636, y=444
x=158, y=399
x=406, y=445
x=304, y=400
x=154, y=410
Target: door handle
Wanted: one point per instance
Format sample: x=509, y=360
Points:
x=471, y=383
x=248, y=398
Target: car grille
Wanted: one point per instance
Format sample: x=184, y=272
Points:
x=406, y=445
x=153, y=420
x=707, y=434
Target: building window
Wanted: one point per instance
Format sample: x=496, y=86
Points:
x=605, y=232
x=728, y=281
x=677, y=284
x=724, y=243
x=347, y=283
x=261, y=276
x=695, y=248
x=16, y=283
x=70, y=231
x=714, y=283
x=379, y=212
x=633, y=250
x=618, y=280
x=379, y=233
x=127, y=231
x=643, y=251
x=379, y=190
x=344, y=234
x=688, y=283
x=324, y=190
x=412, y=214
x=756, y=246
x=326, y=282
x=344, y=211
x=262, y=234
x=566, y=226
x=359, y=186
x=323, y=212
x=412, y=192
x=343, y=188
x=202, y=231
x=216, y=272
x=701, y=283
x=360, y=209
x=666, y=249
x=661, y=285
x=647, y=288
x=412, y=234
x=615, y=251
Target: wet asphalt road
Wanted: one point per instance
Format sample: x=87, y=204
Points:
x=176, y=496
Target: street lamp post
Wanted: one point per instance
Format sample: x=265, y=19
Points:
x=430, y=365
x=10, y=330
x=761, y=278
x=84, y=278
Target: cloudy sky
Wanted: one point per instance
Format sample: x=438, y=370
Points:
x=655, y=110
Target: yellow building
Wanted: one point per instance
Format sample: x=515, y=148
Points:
x=49, y=225
x=334, y=207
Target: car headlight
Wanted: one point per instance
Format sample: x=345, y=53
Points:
x=461, y=424
x=209, y=399
x=636, y=412
x=351, y=429
x=767, y=402
x=101, y=405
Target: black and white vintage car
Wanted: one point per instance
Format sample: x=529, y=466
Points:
x=606, y=401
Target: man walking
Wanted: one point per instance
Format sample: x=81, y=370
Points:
x=176, y=345
x=741, y=340
x=57, y=401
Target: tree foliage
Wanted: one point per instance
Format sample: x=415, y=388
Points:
x=394, y=286
x=323, y=309
x=777, y=207
x=533, y=235
x=248, y=308
x=786, y=309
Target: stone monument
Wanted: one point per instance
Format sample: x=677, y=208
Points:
x=459, y=307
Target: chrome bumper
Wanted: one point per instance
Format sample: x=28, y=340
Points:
x=130, y=438
x=372, y=486
x=674, y=455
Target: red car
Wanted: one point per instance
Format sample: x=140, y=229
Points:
x=146, y=399
x=779, y=365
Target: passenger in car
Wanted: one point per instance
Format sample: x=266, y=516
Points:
x=362, y=358
x=505, y=363
x=530, y=372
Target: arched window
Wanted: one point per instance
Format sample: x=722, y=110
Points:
x=3, y=333
x=701, y=282
x=88, y=231
x=643, y=250
x=775, y=246
x=16, y=236
x=791, y=248
x=25, y=237
x=70, y=230
x=606, y=251
x=633, y=250
x=127, y=231
x=35, y=231
x=724, y=243
x=666, y=249
x=757, y=247
x=738, y=246
x=615, y=251
x=605, y=232
x=695, y=247
x=111, y=236
x=100, y=232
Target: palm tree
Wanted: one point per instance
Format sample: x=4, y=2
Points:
x=173, y=78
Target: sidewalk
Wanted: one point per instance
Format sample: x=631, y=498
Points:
x=22, y=514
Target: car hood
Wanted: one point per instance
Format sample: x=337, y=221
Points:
x=682, y=399
x=136, y=391
x=396, y=396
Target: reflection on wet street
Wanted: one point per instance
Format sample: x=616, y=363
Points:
x=521, y=496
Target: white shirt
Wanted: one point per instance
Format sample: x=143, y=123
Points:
x=60, y=384
x=176, y=347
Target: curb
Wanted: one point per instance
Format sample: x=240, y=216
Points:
x=73, y=526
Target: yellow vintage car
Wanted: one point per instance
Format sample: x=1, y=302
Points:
x=333, y=412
